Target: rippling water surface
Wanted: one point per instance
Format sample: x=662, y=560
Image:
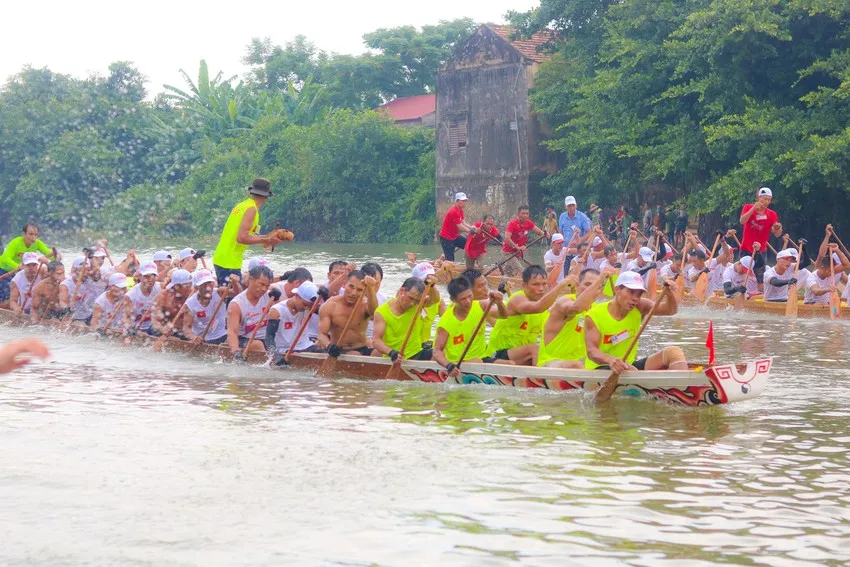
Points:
x=118, y=456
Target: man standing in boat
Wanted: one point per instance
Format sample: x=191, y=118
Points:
x=759, y=222
x=453, y=225
x=240, y=231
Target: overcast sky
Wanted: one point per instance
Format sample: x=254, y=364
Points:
x=160, y=37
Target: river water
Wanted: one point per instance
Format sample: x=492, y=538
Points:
x=118, y=456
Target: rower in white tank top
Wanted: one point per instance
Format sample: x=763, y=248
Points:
x=141, y=303
x=201, y=317
x=108, y=308
x=85, y=294
x=251, y=315
x=24, y=286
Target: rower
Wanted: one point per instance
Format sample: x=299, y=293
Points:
x=422, y=271
x=91, y=286
x=718, y=266
x=245, y=313
x=453, y=225
x=514, y=339
x=337, y=270
x=562, y=343
x=516, y=237
x=203, y=305
x=162, y=259
x=377, y=273
x=610, y=327
x=45, y=294
x=821, y=282
x=476, y=244
x=610, y=259
x=455, y=328
x=395, y=317
x=139, y=300
x=292, y=280
x=107, y=302
x=187, y=259
x=167, y=304
x=20, y=290
x=69, y=284
x=643, y=263
x=334, y=314
x=240, y=231
x=696, y=268
x=285, y=321
x=13, y=254
x=735, y=275
x=672, y=270
x=777, y=278
x=555, y=254
x=480, y=287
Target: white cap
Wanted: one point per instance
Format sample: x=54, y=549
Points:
x=179, y=277
x=557, y=237
x=461, y=197
x=307, y=291
x=161, y=256
x=793, y=251
x=646, y=254
x=765, y=192
x=106, y=271
x=631, y=280
x=118, y=280
x=597, y=241
x=79, y=261
x=99, y=253
x=201, y=277
x=148, y=268
x=185, y=253
x=423, y=270
x=258, y=261
x=787, y=253
x=570, y=200
x=29, y=258
x=746, y=261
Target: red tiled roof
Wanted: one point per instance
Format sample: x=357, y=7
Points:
x=528, y=47
x=410, y=107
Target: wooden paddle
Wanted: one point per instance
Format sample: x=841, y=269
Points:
x=603, y=394
x=157, y=346
x=112, y=317
x=301, y=330
x=212, y=319
x=475, y=332
x=558, y=268
x=512, y=256
x=838, y=240
x=834, y=299
x=791, y=302
x=680, y=279
x=701, y=285
x=106, y=251
x=394, y=373
x=329, y=364
x=257, y=328
x=742, y=297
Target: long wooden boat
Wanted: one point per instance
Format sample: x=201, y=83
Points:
x=759, y=305
x=697, y=386
x=449, y=271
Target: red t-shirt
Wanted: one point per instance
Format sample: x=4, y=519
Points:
x=757, y=228
x=519, y=234
x=476, y=245
x=454, y=217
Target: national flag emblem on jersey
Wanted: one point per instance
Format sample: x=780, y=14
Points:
x=524, y=326
x=202, y=314
x=287, y=325
x=616, y=339
x=458, y=339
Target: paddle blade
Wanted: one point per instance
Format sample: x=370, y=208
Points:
x=606, y=390
x=394, y=373
x=680, y=288
x=652, y=285
x=739, y=301
x=791, y=304
x=700, y=287
x=327, y=367
x=834, y=305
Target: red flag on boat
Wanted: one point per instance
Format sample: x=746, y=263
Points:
x=709, y=342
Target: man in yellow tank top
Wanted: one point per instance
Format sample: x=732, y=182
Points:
x=455, y=328
x=562, y=343
x=393, y=319
x=514, y=339
x=240, y=231
x=610, y=327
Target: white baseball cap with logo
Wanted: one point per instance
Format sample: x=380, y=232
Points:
x=789, y=253
x=631, y=280
x=118, y=280
x=148, y=269
x=201, y=277
x=258, y=261
x=557, y=237
x=307, y=291
x=185, y=254
x=570, y=200
x=765, y=192
x=79, y=261
x=461, y=196
x=161, y=256
x=179, y=277
x=646, y=254
x=99, y=253
x=423, y=270
x=746, y=261
x=29, y=258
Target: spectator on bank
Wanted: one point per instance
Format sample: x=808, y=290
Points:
x=550, y=223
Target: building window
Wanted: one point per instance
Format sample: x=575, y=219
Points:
x=457, y=134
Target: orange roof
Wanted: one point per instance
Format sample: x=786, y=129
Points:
x=410, y=107
x=527, y=46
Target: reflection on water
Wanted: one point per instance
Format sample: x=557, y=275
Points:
x=116, y=456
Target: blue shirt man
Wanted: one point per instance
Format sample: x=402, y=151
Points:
x=572, y=217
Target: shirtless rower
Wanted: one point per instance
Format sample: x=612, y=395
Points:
x=821, y=282
x=139, y=300
x=20, y=289
x=107, y=302
x=285, y=321
x=562, y=343
x=610, y=327
x=167, y=304
x=45, y=294
x=334, y=314
x=514, y=339
x=245, y=313
x=454, y=330
x=203, y=304
x=394, y=318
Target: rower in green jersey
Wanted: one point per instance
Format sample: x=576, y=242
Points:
x=240, y=231
x=514, y=339
x=562, y=343
x=10, y=260
x=610, y=327
x=422, y=270
x=456, y=325
x=394, y=317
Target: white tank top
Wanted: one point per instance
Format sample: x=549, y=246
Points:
x=71, y=285
x=251, y=315
x=23, y=284
x=201, y=317
x=85, y=295
x=108, y=309
x=141, y=303
x=289, y=326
